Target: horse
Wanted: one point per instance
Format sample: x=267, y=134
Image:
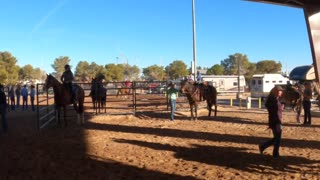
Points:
x=293, y=97
x=63, y=98
x=123, y=91
x=98, y=94
x=209, y=93
x=193, y=94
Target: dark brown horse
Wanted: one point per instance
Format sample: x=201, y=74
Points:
x=293, y=97
x=209, y=93
x=98, y=95
x=63, y=98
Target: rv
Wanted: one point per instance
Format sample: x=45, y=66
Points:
x=261, y=84
x=225, y=83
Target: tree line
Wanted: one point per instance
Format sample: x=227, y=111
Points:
x=11, y=73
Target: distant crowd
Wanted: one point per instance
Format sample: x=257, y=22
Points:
x=18, y=93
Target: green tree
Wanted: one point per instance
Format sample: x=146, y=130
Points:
x=154, y=72
x=114, y=72
x=216, y=69
x=268, y=66
x=9, y=69
x=26, y=72
x=131, y=72
x=59, y=64
x=176, y=69
x=81, y=72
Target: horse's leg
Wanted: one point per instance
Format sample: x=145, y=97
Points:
x=215, y=109
x=191, y=110
x=209, y=105
x=196, y=111
x=65, y=115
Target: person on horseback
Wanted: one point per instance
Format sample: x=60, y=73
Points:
x=66, y=79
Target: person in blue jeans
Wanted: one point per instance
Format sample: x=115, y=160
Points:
x=3, y=109
x=24, y=93
x=172, y=94
x=275, y=108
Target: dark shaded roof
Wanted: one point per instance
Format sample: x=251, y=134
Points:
x=302, y=73
x=292, y=3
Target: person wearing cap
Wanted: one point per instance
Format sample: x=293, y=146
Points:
x=67, y=78
x=3, y=109
x=307, y=96
x=172, y=94
x=275, y=108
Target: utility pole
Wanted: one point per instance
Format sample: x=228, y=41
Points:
x=194, y=39
x=238, y=60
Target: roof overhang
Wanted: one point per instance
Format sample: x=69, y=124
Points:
x=305, y=73
x=291, y=3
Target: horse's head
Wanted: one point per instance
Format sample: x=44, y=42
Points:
x=185, y=86
x=48, y=82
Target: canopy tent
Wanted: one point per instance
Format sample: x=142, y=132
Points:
x=305, y=73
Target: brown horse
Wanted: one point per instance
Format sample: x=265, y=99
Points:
x=98, y=95
x=293, y=97
x=62, y=98
x=193, y=94
x=209, y=93
x=123, y=91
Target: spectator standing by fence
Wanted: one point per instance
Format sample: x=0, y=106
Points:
x=12, y=98
x=3, y=110
x=18, y=94
x=172, y=94
x=32, y=94
x=24, y=93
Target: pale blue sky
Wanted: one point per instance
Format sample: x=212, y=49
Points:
x=148, y=32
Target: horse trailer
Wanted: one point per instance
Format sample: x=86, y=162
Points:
x=225, y=83
x=261, y=84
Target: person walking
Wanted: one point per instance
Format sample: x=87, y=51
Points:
x=32, y=94
x=307, y=96
x=18, y=94
x=275, y=108
x=172, y=94
x=66, y=79
x=24, y=93
x=3, y=110
x=12, y=98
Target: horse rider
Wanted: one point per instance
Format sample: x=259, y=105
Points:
x=67, y=78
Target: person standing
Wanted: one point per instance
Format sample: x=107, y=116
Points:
x=172, y=94
x=18, y=94
x=24, y=93
x=199, y=76
x=275, y=108
x=66, y=79
x=32, y=94
x=3, y=109
x=307, y=96
x=12, y=98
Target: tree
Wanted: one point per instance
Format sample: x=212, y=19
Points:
x=114, y=72
x=216, y=69
x=154, y=72
x=231, y=64
x=176, y=69
x=268, y=66
x=59, y=64
x=9, y=69
x=26, y=72
x=131, y=72
x=81, y=72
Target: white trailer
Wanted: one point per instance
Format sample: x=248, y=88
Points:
x=225, y=83
x=261, y=84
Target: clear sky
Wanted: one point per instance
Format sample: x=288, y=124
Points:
x=148, y=32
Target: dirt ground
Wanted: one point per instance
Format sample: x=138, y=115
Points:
x=149, y=146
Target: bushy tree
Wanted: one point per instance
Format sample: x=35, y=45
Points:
x=176, y=69
x=216, y=69
x=154, y=72
x=8, y=67
x=268, y=66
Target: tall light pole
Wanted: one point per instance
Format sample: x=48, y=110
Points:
x=238, y=61
x=194, y=39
